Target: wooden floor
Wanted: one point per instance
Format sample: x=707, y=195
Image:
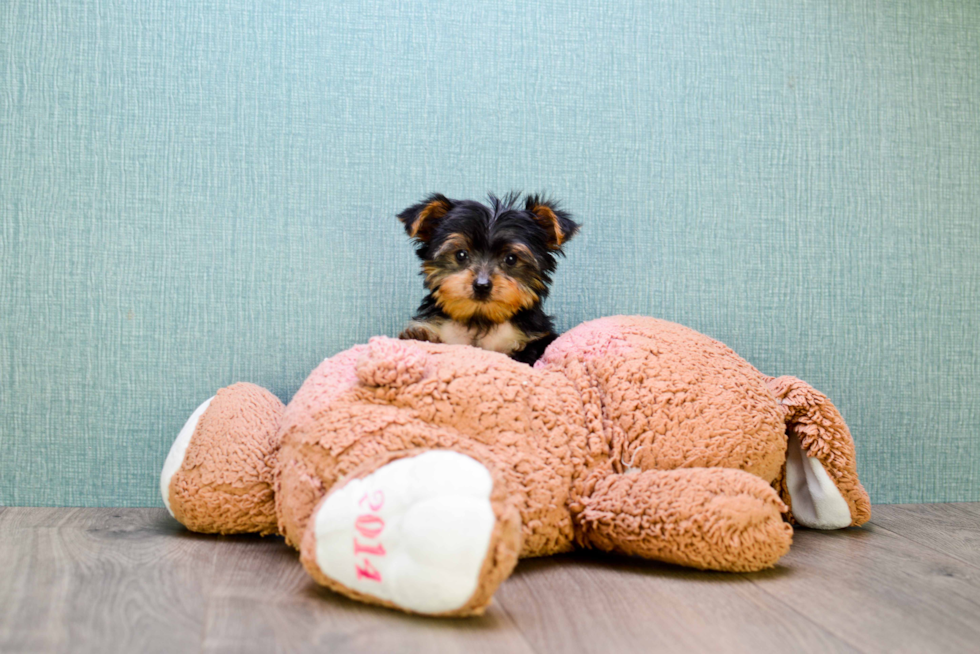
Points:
x=133, y=580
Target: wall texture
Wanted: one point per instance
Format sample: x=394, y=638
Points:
x=197, y=193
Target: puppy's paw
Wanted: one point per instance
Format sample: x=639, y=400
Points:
x=418, y=333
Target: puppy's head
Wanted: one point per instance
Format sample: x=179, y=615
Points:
x=485, y=262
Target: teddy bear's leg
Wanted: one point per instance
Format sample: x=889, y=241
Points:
x=820, y=483
x=430, y=533
x=708, y=518
x=218, y=476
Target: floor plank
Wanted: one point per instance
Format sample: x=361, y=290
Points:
x=264, y=601
x=879, y=591
x=133, y=580
x=588, y=602
x=972, y=508
x=946, y=528
x=125, y=580
x=75, y=579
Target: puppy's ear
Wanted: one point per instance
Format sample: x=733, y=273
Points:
x=421, y=219
x=557, y=224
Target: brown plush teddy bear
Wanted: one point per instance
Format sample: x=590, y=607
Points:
x=414, y=475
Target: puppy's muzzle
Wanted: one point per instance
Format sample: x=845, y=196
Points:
x=482, y=286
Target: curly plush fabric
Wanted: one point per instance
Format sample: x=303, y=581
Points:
x=709, y=518
x=225, y=484
x=671, y=397
x=630, y=434
x=526, y=427
x=823, y=434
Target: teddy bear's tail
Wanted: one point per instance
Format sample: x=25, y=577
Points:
x=819, y=482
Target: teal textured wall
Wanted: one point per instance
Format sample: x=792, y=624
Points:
x=193, y=194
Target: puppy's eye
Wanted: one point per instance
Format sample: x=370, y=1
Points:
x=461, y=256
x=511, y=259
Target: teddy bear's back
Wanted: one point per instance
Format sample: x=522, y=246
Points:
x=671, y=397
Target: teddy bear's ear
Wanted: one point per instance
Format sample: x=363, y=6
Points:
x=557, y=224
x=390, y=362
x=421, y=219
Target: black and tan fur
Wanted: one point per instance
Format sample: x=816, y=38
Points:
x=487, y=268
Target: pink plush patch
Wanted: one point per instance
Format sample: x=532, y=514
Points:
x=329, y=380
x=598, y=340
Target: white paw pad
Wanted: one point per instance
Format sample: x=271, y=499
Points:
x=415, y=532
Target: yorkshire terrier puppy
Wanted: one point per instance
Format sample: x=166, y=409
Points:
x=487, y=269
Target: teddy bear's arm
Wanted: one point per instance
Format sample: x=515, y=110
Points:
x=708, y=518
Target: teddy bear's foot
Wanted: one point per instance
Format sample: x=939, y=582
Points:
x=422, y=534
x=219, y=474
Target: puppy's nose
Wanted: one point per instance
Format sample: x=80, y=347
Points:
x=482, y=285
